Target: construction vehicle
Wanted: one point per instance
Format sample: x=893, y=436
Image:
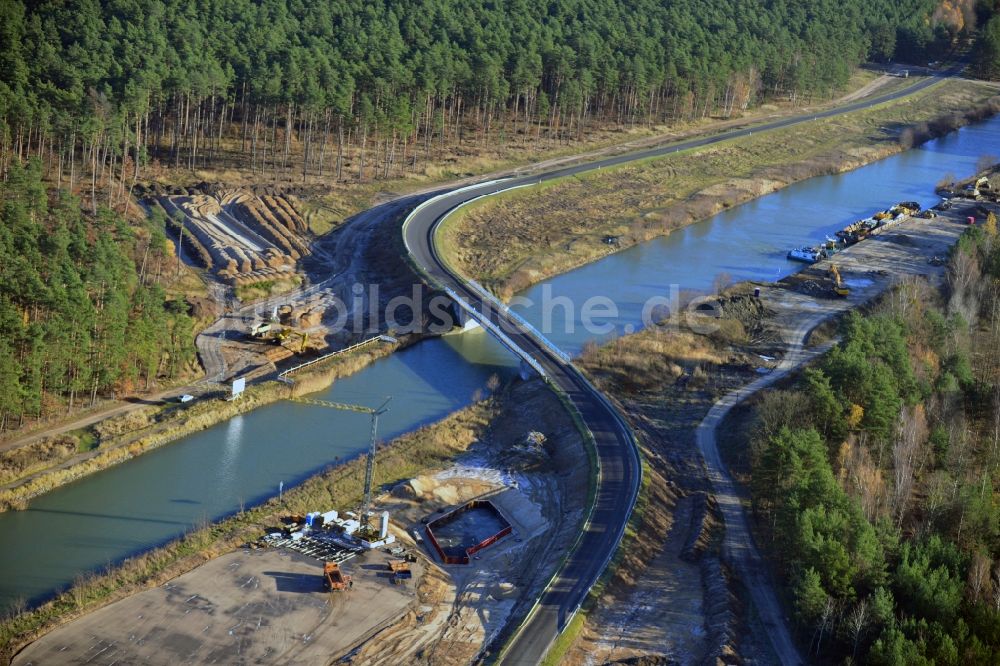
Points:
x=303, y=341
x=334, y=579
x=400, y=571
x=975, y=189
x=839, y=288
x=259, y=330
x=283, y=334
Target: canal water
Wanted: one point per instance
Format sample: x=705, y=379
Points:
x=122, y=511
x=147, y=501
x=748, y=242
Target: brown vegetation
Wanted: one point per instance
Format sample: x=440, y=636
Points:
x=124, y=437
x=403, y=458
x=16, y=463
x=501, y=242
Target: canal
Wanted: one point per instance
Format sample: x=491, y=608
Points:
x=130, y=508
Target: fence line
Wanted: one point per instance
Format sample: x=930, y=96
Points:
x=357, y=345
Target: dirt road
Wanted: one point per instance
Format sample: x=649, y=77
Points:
x=738, y=547
x=875, y=265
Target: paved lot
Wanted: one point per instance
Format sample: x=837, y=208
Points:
x=245, y=607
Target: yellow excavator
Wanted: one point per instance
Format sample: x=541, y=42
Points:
x=304, y=341
x=839, y=288
x=285, y=333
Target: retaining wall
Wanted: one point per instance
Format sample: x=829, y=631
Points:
x=472, y=550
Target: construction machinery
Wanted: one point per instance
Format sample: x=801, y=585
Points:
x=400, y=571
x=334, y=579
x=260, y=329
x=365, y=531
x=283, y=334
x=303, y=341
x=839, y=288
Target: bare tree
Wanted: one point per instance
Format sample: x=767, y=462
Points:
x=964, y=279
x=910, y=439
x=906, y=300
x=984, y=162
x=996, y=588
x=825, y=622
x=979, y=576
x=857, y=622
x=864, y=479
x=996, y=426
x=721, y=282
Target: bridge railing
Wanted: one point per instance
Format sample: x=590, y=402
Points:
x=521, y=322
x=495, y=330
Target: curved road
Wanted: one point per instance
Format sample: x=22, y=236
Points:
x=619, y=471
x=617, y=452
x=738, y=546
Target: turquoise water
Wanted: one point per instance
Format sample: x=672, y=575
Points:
x=127, y=509
x=147, y=501
x=749, y=241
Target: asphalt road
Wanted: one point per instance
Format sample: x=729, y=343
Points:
x=619, y=467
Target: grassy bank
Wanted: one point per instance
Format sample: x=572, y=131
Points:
x=624, y=368
x=640, y=373
x=52, y=463
x=403, y=458
x=503, y=242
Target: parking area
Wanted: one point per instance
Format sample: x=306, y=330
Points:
x=250, y=606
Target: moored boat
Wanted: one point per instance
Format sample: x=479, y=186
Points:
x=809, y=255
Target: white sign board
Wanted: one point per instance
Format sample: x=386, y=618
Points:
x=239, y=385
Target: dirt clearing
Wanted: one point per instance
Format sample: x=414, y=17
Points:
x=540, y=490
x=245, y=607
x=666, y=380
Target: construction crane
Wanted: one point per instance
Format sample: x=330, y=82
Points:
x=839, y=288
x=366, y=500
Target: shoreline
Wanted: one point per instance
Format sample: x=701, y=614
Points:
x=207, y=413
x=612, y=364
x=698, y=207
x=402, y=458
x=14, y=496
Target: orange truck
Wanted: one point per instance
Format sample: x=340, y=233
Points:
x=400, y=570
x=334, y=578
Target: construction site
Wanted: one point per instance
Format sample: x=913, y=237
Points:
x=686, y=601
x=276, y=291
x=430, y=570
